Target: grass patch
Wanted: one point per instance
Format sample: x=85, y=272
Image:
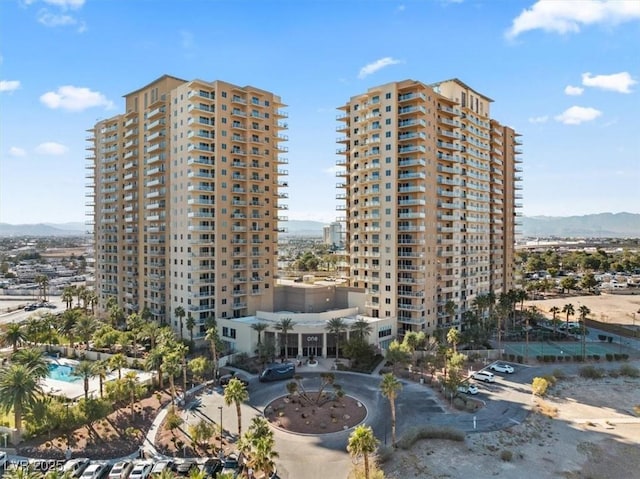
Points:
x=630, y=371
x=559, y=374
x=591, y=372
x=429, y=432
x=547, y=410
x=636, y=409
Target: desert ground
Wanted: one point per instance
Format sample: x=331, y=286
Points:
x=607, y=308
x=582, y=429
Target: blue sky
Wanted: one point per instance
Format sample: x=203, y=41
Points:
x=563, y=73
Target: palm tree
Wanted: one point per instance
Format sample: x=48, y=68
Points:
x=213, y=339
x=118, y=361
x=390, y=387
x=336, y=326
x=18, y=389
x=153, y=362
x=66, y=327
x=86, y=371
x=584, y=312
x=14, y=336
x=191, y=323
x=259, y=327
x=151, y=331
x=521, y=296
x=453, y=338
x=570, y=311
x=101, y=369
x=67, y=295
x=284, y=326
x=179, y=312
x=172, y=365
x=85, y=327
x=361, y=329
x=554, y=311
x=43, y=282
x=363, y=443
x=236, y=393
x=450, y=309
x=32, y=359
x=131, y=386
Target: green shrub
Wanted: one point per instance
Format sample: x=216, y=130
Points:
x=551, y=379
x=614, y=373
x=617, y=357
x=506, y=455
x=609, y=356
x=559, y=374
x=591, y=372
x=429, y=432
x=519, y=359
x=628, y=370
x=596, y=357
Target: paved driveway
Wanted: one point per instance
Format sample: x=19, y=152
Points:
x=325, y=456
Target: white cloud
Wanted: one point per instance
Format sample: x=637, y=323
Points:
x=539, y=119
x=63, y=4
x=400, y=8
x=17, y=152
x=49, y=19
x=573, y=90
x=568, y=16
x=9, y=85
x=618, y=82
x=74, y=98
x=51, y=148
x=377, y=65
x=332, y=170
x=578, y=114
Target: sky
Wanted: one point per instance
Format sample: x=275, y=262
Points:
x=564, y=74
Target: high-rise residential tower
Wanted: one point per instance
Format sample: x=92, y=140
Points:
x=187, y=195
x=431, y=183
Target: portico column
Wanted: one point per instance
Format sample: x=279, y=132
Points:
x=324, y=345
x=299, y=344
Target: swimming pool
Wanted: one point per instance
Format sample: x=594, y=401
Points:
x=62, y=372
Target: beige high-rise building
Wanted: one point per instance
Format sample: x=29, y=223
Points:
x=187, y=196
x=430, y=184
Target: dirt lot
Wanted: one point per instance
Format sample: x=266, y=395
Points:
x=583, y=429
x=607, y=308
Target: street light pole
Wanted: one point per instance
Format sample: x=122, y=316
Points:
x=221, y=454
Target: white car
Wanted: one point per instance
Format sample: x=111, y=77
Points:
x=502, y=368
x=75, y=466
x=141, y=470
x=485, y=376
x=95, y=471
x=121, y=470
x=468, y=389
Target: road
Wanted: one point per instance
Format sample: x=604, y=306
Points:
x=325, y=456
x=22, y=315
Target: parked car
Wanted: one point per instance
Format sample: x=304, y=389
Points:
x=231, y=465
x=121, y=470
x=95, y=471
x=141, y=470
x=185, y=467
x=278, y=371
x=485, y=376
x=224, y=380
x=211, y=467
x=75, y=466
x=468, y=388
x=160, y=466
x=502, y=368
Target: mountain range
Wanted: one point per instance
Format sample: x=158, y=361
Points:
x=602, y=225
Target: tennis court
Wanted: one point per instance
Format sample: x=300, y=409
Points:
x=560, y=348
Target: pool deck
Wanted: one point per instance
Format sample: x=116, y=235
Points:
x=75, y=390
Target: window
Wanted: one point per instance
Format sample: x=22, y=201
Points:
x=387, y=109
x=387, y=96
